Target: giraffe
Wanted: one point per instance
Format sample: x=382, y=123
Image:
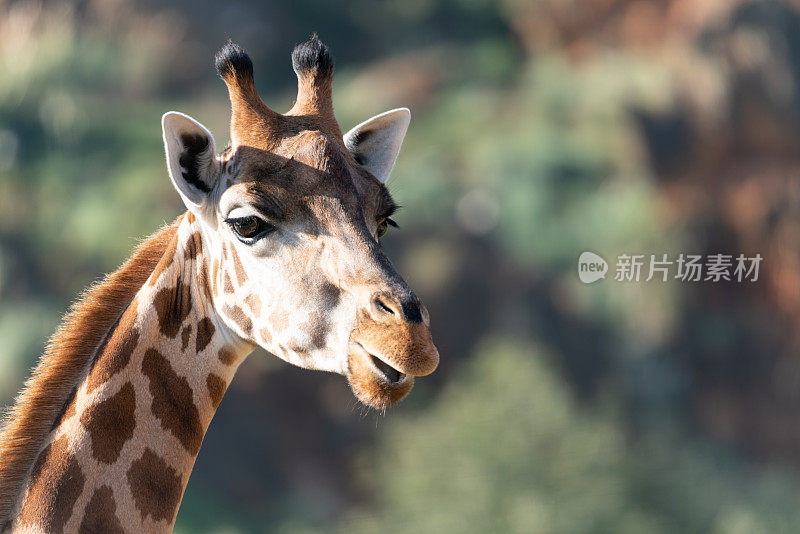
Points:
x=279, y=248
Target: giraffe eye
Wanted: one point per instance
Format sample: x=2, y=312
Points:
x=384, y=225
x=249, y=228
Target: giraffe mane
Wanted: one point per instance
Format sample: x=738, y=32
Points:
x=66, y=357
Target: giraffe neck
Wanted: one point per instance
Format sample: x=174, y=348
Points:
x=119, y=455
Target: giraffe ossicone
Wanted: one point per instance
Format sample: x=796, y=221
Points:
x=279, y=248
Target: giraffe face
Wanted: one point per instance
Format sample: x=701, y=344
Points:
x=291, y=235
x=291, y=217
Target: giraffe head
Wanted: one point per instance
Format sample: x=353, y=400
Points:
x=290, y=217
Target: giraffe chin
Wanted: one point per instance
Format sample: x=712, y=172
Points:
x=374, y=382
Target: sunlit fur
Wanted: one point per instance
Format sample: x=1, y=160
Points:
x=67, y=355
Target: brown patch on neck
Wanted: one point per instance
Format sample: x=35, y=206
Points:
x=165, y=260
x=173, y=305
x=216, y=389
x=68, y=353
x=115, y=352
x=205, y=332
x=194, y=246
x=186, y=335
x=156, y=487
x=101, y=513
x=173, y=402
x=204, y=282
x=54, y=489
x=226, y=356
x=111, y=423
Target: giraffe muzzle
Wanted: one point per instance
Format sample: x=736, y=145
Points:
x=390, y=345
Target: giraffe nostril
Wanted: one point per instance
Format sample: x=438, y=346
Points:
x=405, y=309
x=382, y=306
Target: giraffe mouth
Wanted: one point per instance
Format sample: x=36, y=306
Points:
x=384, y=371
x=390, y=374
x=373, y=381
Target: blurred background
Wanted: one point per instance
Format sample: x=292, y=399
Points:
x=541, y=128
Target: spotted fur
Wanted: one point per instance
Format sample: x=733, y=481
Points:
x=67, y=354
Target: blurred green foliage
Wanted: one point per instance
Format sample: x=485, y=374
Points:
x=506, y=447
x=514, y=164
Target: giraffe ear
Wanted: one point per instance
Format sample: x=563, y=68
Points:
x=191, y=158
x=376, y=142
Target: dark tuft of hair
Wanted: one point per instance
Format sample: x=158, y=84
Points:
x=232, y=60
x=314, y=58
